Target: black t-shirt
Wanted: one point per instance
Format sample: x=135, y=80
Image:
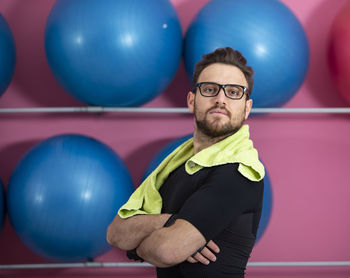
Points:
x=225, y=207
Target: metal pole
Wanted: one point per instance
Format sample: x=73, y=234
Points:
x=181, y=110
x=131, y=264
x=335, y=263
x=75, y=265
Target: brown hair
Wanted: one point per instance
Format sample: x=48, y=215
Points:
x=226, y=56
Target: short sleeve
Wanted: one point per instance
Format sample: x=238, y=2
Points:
x=223, y=196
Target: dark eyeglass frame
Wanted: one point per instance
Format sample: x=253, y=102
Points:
x=221, y=86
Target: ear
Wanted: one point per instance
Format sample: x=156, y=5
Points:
x=190, y=101
x=248, y=107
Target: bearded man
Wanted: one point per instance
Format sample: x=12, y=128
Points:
x=198, y=213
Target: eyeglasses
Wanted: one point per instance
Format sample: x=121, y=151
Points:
x=212, y=89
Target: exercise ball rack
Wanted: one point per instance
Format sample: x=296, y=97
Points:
x=177, y=110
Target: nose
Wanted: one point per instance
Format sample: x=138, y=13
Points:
x=221, y=97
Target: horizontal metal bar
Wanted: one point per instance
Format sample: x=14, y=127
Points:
x=328, y=110
x=74, y=265
x=93, y=109
x=183, y=110
x=334, y=263
x=131, y=264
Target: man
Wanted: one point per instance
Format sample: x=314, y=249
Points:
x=209, y=216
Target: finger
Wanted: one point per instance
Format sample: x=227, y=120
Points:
x=212, y=245
x=192, y=260
x=200, y=258
x=207, y=253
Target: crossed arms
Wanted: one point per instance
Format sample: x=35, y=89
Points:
x=158, y=245
x=211, y=208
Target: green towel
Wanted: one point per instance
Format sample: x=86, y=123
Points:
x=237, y=148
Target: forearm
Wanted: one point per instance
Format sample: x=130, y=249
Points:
x=150, y=249
x=170, y=246
x=128, y=233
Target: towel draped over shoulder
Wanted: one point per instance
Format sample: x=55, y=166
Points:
x=237, y=148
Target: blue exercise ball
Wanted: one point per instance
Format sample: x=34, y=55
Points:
x=113, y=52
x=7, y=55
x=267, y=201
x=266, y=32
x=64, y=193
x=163, y=153
x=267, y=207
x=2, y=205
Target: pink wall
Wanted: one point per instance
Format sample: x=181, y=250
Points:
x=307, y=156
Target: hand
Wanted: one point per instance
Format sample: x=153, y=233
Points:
x=206, y=254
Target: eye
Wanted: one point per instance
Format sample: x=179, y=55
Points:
x=234, y=91
x=209, y=89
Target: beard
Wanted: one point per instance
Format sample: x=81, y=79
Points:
x=215, y=128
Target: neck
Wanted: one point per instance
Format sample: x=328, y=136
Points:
x=202, y=141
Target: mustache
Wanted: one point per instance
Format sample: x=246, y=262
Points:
x=219, y=107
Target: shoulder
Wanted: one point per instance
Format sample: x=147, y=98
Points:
x=229, y=170
x=228, y=174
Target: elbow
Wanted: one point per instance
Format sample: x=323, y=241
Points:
x=113, y=237
x=109, y=236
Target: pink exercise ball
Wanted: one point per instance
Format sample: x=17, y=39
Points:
x=339, y=52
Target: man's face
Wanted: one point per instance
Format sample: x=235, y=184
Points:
x=219, y=116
